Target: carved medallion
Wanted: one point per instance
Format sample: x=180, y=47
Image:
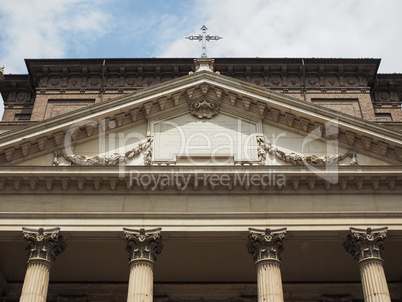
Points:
x=204, y=108
x=312, y=82
x=276, y=82
x=54, y=82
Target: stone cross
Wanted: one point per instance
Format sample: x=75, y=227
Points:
x=204, y=38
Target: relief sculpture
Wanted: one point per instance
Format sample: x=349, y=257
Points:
x=113, y=160
x=265, y=147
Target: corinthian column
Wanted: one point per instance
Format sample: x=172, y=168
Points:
x=367, y=248
x=142, y=248
x=43, y=247
x=266, y=248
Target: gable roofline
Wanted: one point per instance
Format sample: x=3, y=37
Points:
x=196, y=78
x=258, y=95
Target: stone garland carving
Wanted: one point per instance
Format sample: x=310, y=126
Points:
x=266, y=244
x=112, y=160
x=143, y=244
x=44, y=244
x=204, y=108
x=265, y=147
x=363, y=244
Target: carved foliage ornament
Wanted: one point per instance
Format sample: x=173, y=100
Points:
x=266, y=244
x=143, y=244
x=265, y=147
x=112, y=160
x=44, y=244
x=363, y=244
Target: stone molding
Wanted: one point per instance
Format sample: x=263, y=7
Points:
x=143, y=244
x=271, y=179
x=266, y=244
x=44, y=244
x=366, y=243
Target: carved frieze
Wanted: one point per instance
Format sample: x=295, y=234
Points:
x=143, y=244
x=266, y=244
x=44, y=243
x=365, y=243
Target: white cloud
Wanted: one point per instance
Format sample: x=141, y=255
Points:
x=42, y=28
x=252, y=28
x=46, y=29
x=294, y=28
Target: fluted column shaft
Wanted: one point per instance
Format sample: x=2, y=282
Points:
x=266, y=248
x=142, y=248
x=367, y=248
x=374, y=283
x=269, y=281
x=140, y=285
x=36, y=281
x=43, y=247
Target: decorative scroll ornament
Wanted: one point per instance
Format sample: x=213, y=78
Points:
x=204, y=108
x=113, y=160
x=265, y=147
x=364, y=244
x=266, y=244
x=143, y=244
x=44, y=244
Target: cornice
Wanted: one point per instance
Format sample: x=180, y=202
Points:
x=287, y=74
x=216, y=180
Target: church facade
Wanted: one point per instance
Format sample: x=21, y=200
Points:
x=233, y=179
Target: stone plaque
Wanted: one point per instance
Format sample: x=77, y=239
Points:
x=221, y=139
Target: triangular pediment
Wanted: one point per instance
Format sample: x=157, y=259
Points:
x=201, y=100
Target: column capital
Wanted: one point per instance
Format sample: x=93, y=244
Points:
x=366, y=243
x=266, y=244
x=44, y=244
x=143, y=244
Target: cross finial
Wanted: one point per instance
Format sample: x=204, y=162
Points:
x=204, y=38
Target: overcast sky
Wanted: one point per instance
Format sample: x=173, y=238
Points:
x=156, y=28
